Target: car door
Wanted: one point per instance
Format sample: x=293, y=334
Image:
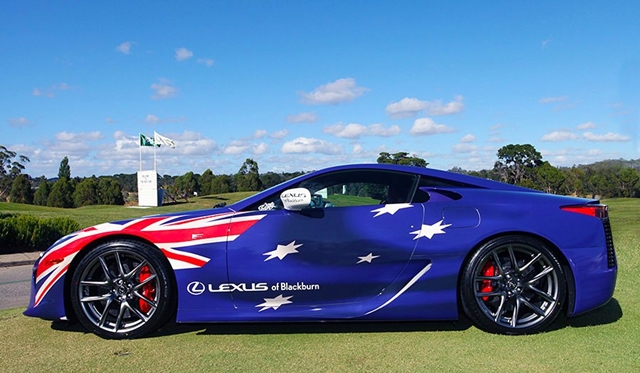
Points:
x=330, y=258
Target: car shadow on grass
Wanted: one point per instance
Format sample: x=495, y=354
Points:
x=258, y=328
x=607, y=314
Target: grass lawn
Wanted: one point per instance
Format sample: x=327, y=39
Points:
x=605, y=340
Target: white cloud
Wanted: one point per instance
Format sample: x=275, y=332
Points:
x=608, y=137
x=549, y=100
x=594, y=152
x=556, y=136
x=378, y=129
x=77, y=136
x=342, y=90
x=51, y=91
x=464, y=148
x=427, y=126
x=123, y=140
x=453, y=107
x=411, y=107
x=350, y=131
x=183, y=54
x=260, y=148
x=193, y=144
x=206, y=61
x=125, y=47
x=19, y=122
x=258, y=134
x=235, y=149
x=586, y=126
x=405, y=108
x=356, y=130
x=279, y=134
x=303, y=145
x=468, y=138
x=163, y=90
x=307, y=117
x=152, y=119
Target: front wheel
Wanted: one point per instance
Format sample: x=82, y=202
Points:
x=513, y=285
x=122, y=289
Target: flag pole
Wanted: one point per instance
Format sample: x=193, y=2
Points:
x=154, y=152
x=140, y=149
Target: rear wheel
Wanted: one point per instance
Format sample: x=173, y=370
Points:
x=513, y=285
x=122, y=289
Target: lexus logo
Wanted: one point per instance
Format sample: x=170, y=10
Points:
x=195, y=288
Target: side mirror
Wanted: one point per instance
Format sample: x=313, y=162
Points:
x=295, y=199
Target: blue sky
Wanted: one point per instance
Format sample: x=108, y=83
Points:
x=301, y=85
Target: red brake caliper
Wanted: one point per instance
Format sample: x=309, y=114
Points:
x=488, y=270
x=148, y=290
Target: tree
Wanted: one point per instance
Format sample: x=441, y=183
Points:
x=21, y=191
x=10, y=168
x=221, y=184
x=574, y=181
x=270, y=179
x=42, y=193
x=402, y=158
x=185, y=185
x=86, y=192
x=596, y=182
x=517, y=162
x=61, y=194
x=109, y=191
x=628, y=178
x=549, y=178
x=205, y=182
x=248, y=177
x=65, y=169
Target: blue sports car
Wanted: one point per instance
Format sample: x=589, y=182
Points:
x=357, y=242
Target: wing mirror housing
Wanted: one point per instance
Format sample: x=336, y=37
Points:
x=295, y=199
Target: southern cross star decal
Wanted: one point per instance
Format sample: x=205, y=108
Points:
x=274, y=303
x=367, y=258
x=283, y=250
x=390, y=209
x=430, y=230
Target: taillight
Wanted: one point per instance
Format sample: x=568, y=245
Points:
x=597, y=211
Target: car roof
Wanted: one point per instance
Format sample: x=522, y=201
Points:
x=466, y=180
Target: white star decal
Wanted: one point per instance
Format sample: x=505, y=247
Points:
x=430, y=230
x=283, y=250
x=367, y=258
x=391, y=208
x=274, y=303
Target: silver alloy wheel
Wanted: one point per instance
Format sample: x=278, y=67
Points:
x=516, y=285
x=118, y=291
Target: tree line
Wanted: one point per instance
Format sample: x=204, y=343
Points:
x=519, y=164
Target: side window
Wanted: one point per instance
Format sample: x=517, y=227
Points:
x=421, y=195
x=360, y=188
x=350, y=188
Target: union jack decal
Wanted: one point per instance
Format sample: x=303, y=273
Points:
x=169, y=233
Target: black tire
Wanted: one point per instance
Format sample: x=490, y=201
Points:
x=122, y=289
x=500, y=297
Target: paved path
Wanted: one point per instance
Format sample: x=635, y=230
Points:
x=15, y=279
x=12, y=260
x=15, y=284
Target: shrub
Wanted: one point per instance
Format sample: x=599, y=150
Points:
x=29, y=233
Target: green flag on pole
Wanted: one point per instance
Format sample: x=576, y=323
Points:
x=146, y=141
